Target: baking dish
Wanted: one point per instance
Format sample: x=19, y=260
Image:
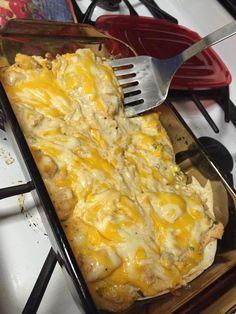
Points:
x=49, y=37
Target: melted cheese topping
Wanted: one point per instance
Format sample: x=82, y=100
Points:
x=124, y=204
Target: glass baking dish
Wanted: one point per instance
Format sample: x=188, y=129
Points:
x=38, y=38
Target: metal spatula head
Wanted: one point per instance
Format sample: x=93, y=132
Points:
x=146, y=80
x=139, y=79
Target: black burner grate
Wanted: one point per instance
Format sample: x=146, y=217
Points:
x=151, y=5
x=219, y=95
x=2, y=119
x=230, y=6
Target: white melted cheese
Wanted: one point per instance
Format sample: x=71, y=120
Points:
x=124, y=204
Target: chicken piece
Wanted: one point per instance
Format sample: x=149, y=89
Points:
x=47, y=166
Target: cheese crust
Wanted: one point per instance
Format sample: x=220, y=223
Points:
x=137, y=229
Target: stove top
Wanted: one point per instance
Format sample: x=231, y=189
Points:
x=24, y=243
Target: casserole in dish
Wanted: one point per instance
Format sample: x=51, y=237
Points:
x=185, y=156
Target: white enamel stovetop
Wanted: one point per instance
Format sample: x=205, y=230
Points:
x=23, y=242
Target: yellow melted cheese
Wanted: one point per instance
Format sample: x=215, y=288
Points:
x=124, y=204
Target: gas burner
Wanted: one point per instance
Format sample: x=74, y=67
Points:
x=109, y=5
x=219, y=154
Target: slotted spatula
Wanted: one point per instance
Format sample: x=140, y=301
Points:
x=146, y=80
